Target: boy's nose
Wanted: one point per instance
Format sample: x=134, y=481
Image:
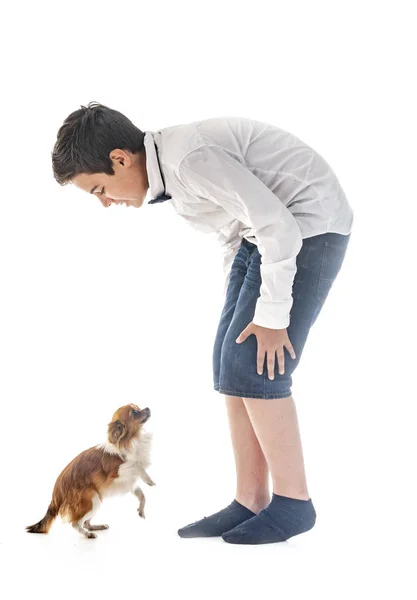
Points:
x=106, y=202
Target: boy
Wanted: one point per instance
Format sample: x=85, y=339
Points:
x=284, y=223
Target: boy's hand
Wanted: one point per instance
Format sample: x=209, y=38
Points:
x=270, y=342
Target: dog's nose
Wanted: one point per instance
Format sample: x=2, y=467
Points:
x=147, y=411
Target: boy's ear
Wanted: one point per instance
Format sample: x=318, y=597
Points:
x=120, y=157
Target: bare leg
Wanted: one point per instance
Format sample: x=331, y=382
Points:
x=252, y=490
x=291, y=511
x=141, y=497
x=276, y=427
x=252, y=487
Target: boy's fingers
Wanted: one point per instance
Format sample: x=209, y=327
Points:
x=281, y=361
x=245, y=334
x=290, y=349
x=260, y=361
x=271, y=365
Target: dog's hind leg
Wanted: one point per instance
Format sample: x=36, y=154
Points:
x=90, y=527
x=82, y=514
x=84, y=532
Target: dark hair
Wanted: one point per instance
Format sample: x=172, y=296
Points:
x=86, y=139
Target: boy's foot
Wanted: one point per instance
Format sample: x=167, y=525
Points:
x=219, y=523
x=281, y=520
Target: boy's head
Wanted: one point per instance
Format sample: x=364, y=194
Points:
x=101, y=152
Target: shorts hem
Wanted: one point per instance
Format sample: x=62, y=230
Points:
x=277, y=396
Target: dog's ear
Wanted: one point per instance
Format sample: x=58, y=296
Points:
x=117, y=431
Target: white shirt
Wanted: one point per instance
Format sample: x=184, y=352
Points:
x=245, y=179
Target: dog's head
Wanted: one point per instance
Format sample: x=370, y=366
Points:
x=126, y=424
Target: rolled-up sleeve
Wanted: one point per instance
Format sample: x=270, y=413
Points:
x=213, y=174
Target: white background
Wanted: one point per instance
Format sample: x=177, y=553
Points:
x=104, y=307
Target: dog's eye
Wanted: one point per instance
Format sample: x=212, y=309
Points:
x=135, y=413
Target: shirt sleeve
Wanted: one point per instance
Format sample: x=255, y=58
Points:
x=230, y=247
x=213, y=174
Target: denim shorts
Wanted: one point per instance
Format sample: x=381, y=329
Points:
x=234, y=365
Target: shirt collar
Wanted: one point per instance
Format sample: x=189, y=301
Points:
x=153, y=168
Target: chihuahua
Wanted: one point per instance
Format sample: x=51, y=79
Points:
x=110, y=469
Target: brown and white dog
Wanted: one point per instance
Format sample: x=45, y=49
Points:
x=110, y=469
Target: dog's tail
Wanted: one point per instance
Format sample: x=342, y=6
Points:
x=44, y=524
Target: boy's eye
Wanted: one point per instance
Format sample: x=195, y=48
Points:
x=102, y=191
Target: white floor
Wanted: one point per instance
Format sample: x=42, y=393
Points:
x=146, y=559
x=360, y=470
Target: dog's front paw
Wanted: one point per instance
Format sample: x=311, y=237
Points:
x=141, y=513
x=90, y=535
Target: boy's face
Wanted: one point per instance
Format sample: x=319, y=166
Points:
x=128, y=185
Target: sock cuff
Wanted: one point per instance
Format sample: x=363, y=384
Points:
x=287, y=500
x=238, y=505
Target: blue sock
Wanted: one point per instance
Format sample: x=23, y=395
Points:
x=281, y=520
x=216, y=524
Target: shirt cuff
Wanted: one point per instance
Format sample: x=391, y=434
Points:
x=273, y=315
